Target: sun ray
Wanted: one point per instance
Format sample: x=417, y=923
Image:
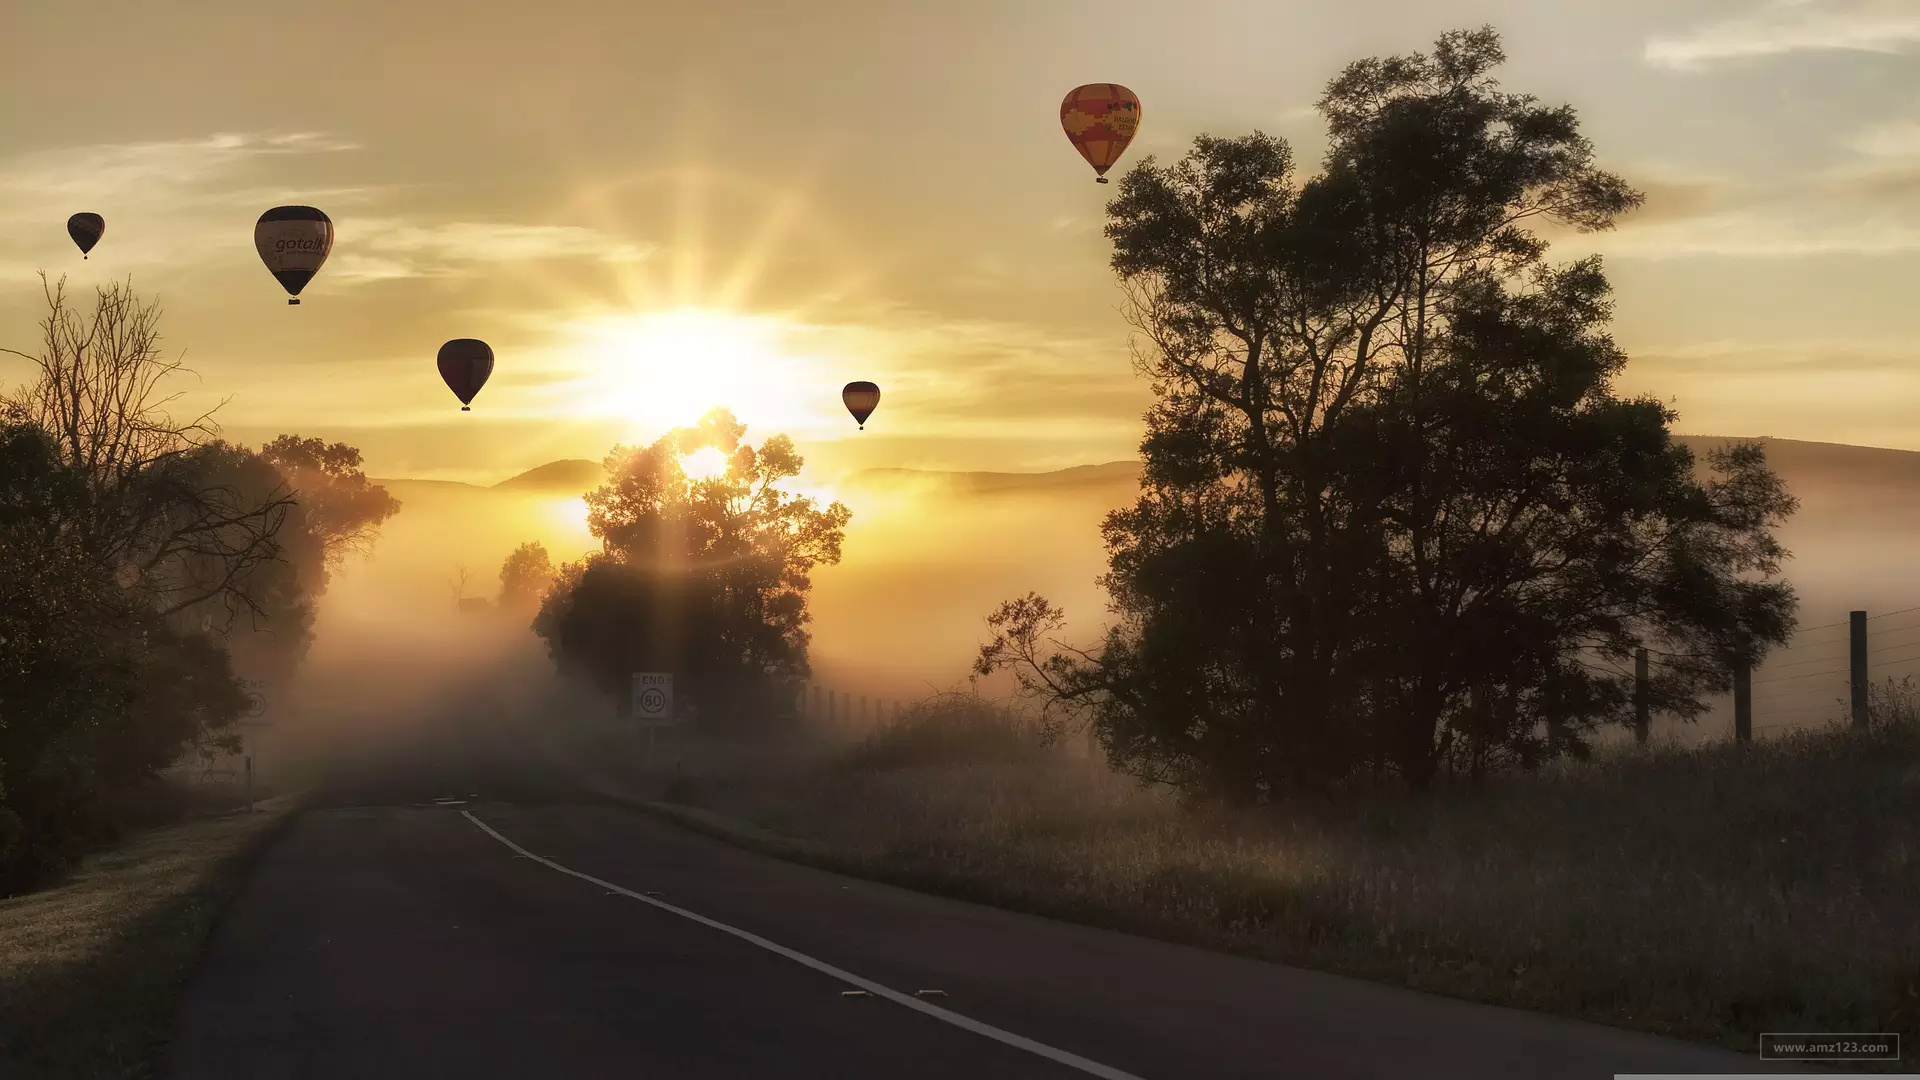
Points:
x=689, y=253
x=788, y=210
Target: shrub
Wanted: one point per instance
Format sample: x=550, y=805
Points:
x=946, y=729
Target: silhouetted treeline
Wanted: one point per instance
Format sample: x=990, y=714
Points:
x=146, y=569
x=1393, y=516
x=704, y=578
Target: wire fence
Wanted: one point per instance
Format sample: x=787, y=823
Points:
x=837, y=707
x=1809, y=680
x=1806, y=682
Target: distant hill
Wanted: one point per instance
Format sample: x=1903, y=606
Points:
x=1807, y=467
x=398, y=484
x=1835, y=463
x=572, y=475
x=1108, y=474
x=1810, y=469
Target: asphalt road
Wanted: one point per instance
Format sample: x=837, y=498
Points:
x=386, y=935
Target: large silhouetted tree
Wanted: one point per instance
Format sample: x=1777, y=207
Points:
x=706, y=578
x=1391, y=506
x=333, y=512
x=132, y=547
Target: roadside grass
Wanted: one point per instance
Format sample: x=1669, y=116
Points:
x=91, y=970
x=1709, y=893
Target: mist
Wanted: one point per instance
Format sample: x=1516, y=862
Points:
x=926, y=557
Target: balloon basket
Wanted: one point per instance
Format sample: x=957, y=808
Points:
x=466, y=408
x=292, y=302
x=1099, y=179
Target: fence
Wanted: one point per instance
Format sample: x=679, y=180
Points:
x=1822, y=673
x=833, y=706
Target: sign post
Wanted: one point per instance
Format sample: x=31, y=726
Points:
x=652, y=704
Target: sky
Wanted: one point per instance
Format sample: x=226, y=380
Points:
x=647, y=208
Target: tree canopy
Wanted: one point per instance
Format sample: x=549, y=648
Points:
x=141, y=559
x=703, y=577
x=1393, y=515
x=525, y=576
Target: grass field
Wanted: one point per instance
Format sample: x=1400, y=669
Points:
x=91, y=970
x=1709, y=893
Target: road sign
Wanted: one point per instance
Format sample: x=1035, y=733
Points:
x=653, y=698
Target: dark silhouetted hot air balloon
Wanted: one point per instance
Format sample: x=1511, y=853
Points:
x=465, y=364
x=293, y=241
x=1100, y=119
x=86, y=230
x=860, y=399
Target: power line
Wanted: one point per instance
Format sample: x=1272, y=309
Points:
x=1800, y=663
x=1791, y=678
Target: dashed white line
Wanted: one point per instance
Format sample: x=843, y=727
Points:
x=965, y=1023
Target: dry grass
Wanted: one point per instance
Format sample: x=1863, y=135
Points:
x=90, y=971
x=1709, y=893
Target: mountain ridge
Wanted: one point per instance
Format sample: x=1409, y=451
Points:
x=579, y=474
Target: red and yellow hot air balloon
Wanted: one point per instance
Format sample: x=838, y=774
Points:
x=1100, y=119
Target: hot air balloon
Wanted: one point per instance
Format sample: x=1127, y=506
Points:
x=465, y=364
x=293, y=241
x=86, y=230
x=1100, y=119
x=860, y=399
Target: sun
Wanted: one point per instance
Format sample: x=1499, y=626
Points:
x=660, y=370
x=706, y=463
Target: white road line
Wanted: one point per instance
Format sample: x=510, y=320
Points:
x=1072, y=1061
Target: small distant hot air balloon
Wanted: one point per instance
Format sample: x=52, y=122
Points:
x=860, y=399
x=465, y=364
x=1100, y=119
x=293, y=241
x=86, y=230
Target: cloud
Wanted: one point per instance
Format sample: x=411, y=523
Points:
x=1888, y=169
x=187, y=200
x=166, y=202
x=142, y=170
x=1743, y=360
x=389, y=248
x=1863, y=206
x=1789, y=26
x=1774, y=230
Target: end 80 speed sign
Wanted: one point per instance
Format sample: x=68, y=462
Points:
x=653, y=697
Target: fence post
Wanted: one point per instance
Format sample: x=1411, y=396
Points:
x=833, y=706
x=1640, y=696
x=816, y=701
x=863, y=707
x=1857, y=674
x=1742, y=701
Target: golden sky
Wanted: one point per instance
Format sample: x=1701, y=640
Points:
x=649, y=207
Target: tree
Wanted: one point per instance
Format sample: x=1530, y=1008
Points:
x=1388, y=494
x=64, y=669
x=119, y=529
x=269, y=633
x=149, y=515
x=706, y=578
x=343, y=508
x=524, y=577
x=334, y=513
